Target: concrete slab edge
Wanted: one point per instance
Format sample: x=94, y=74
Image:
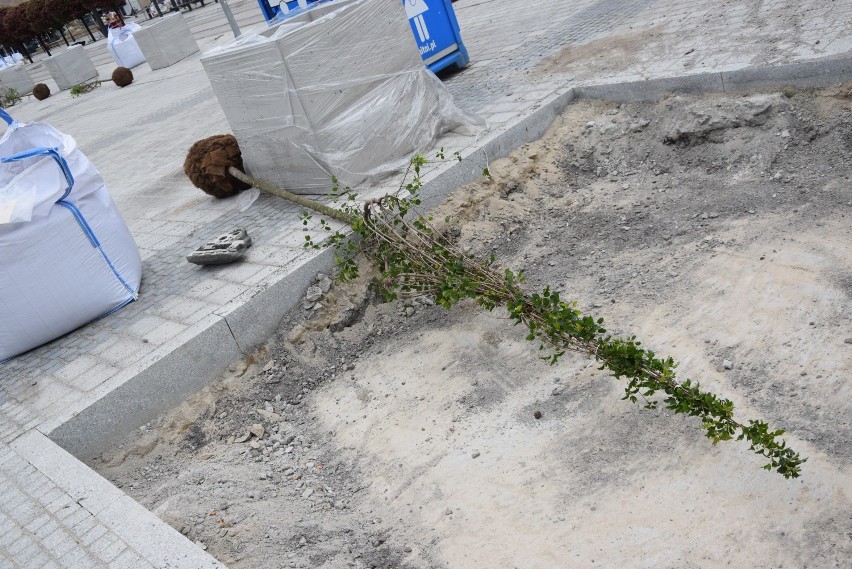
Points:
x=144, y=532
x=253, y=323
x=143, y=396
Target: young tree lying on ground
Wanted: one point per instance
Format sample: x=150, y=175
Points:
x=414, y=258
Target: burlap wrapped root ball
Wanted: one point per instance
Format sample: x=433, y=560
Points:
x=41, y=91
x=122, y=76
x=207, y=164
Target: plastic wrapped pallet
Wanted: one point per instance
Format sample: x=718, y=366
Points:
x=66, y=256
x=16, y=77
x=122, y=46
x=344, y=94
x=70, y=67
x=166, y=41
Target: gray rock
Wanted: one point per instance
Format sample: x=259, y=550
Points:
x=323, y=282
x=727, y=364
x=848, y=340
x=700, y=121
x=215, y=255
x=314, y=294
x=225, y=248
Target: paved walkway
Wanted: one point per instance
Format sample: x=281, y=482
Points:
x=190, y=322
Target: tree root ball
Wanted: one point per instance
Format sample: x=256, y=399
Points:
x=122, y=76
x=41, y=91
x=207, y=164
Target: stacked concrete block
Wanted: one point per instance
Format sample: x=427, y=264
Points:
x=341, y=93
x=264, y=112
x=70, y=67
x=166, y=41
x=16, y=77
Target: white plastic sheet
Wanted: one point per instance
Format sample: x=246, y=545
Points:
x=66, y=256
x=123, y=47
x=343, y=94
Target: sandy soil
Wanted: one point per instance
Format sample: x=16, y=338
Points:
x=403, y=435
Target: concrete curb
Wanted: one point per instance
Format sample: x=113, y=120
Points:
x=189, y=367
x=804, y=75
x=142, y=394
x=139, y=528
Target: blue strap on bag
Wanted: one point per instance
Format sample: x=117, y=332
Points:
x=43, y=151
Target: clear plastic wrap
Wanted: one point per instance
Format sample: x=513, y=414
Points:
x=340, y=90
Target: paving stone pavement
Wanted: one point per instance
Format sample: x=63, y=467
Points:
x=523, y=56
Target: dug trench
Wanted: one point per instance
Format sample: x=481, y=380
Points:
x=717, y=229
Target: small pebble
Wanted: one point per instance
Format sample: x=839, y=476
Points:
x=537, y=414
x=475, y=454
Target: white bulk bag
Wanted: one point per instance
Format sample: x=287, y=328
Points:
x=66, y=255
x=122, y=46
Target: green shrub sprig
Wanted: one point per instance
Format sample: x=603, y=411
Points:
x=415, y=258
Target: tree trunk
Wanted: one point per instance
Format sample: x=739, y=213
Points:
x=63, y=37
x=85, y=25
x=100, y=23
x=43, y=45
x=22, y=48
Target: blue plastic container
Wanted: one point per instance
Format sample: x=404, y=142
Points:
x=273, y=12
x=433, y=23
x=437, y=33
